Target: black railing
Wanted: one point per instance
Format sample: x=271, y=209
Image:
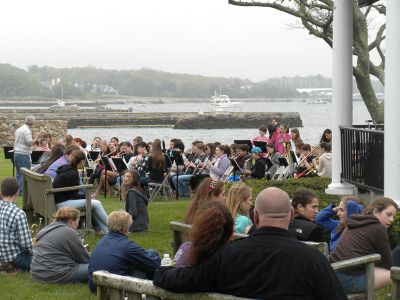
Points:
x=362, y=157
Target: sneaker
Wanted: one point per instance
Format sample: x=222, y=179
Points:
x=8, y=268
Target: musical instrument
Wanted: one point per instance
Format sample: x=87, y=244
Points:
x=35, y=228
x=305, y=157
x=313, y=168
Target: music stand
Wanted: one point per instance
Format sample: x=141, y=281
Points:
x=236, y=167
x=121, y=166
x=9, y=154
x=262, y=145
x=35, y=156
x=283, y=161
x=244, y=142
x=177, y=156
x=93, y=155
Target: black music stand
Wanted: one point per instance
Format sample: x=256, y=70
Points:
x=93, y=155
x=35, y=156
x=178, y=159
x=244, y=142
x=283, y=161
x=121, y=166
x=262, y=145
x=9, y=154
x=236, y=167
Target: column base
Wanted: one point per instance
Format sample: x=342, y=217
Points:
x=341, y=189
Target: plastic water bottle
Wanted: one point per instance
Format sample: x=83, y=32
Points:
x=166, y=261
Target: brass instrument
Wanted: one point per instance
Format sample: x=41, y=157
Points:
x=305, y=157
x=35, y=228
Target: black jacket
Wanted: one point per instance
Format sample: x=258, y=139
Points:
x=136, y=205
x=269, y=264
x=67, y=176
x=306, y=230
x=258, y=170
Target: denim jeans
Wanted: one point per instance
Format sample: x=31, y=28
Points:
x=351, y=284
x=23, y=261
x=21, y=161
x=182, y=184
x=81, y=273
x=98, y=213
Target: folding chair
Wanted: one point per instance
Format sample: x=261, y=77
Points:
x=278, y=173
x=287, y=172
x=162, y=189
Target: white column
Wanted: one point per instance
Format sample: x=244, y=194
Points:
x=392, y=104
x=342, y=88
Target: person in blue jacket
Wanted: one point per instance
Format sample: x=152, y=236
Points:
x=348, y=206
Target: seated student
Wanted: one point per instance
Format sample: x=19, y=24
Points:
x=56, y=152
x=304, y=228
x=280, y=137
x=63, y=160
x=15, y=237
x=269, y=264
x=365, y=234
x=258, y=169
x=59, y=255
x=242, y=155
x=239, y=202
x=208, y=190
x=218, y=167
x=295, y=133
x=323, y=164
x=136, y=201
x=348, y=206
x=95, y=145
x=156, y=166
x=305, y=166
x=68, y=175
x=117, y=254
x=212, y=228
x=141, y=150
x=104, y=152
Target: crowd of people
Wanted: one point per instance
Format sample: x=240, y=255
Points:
x=270, y=263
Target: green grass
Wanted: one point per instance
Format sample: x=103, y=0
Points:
x=159, y=237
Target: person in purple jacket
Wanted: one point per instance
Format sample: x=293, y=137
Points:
x=348, y=206
x=218, y=167
x=63, y=160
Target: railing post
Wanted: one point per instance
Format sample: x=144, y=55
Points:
x=392, y=105
x=342, y=88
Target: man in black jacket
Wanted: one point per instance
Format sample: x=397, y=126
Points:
x=269, y=264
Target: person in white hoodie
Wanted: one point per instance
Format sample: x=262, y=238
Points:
x=323, y=164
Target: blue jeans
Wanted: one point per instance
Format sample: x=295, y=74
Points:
x=23, y=261
x=98, y=213
x=182, y=184
x=81, y=273
x=21, y=161
x=351, y=284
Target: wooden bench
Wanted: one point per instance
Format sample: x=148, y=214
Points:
x=395, y=286
x=114, y=287
x=38, y=197
x=180, y=235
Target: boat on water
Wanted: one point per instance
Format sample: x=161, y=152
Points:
x=317, y=101
x=61, y=105
x=222, y=103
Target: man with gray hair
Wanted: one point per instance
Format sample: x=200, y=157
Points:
x=269, y=264
x=23, y=147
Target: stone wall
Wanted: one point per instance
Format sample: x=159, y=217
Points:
x=56, y=128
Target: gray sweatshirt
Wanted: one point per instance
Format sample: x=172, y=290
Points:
x=57, y=254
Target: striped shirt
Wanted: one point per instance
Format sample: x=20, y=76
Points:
x=14, y=232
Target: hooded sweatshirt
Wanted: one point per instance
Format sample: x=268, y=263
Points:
x=67, y=176
x=136, y=205
x=364, y=235
x=323, y=218
x=324, y=167
x=57, y=254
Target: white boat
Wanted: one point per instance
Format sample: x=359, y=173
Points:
x=222, y=103
x=317, y=101
x=61, y=105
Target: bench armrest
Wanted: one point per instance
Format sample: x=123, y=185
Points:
x=363, y=260
x=70, y=188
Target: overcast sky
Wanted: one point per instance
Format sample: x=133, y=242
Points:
x=207, y=37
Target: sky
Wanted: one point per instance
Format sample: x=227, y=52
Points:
x=206, y=37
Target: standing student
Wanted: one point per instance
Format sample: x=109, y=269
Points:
x=23, y=147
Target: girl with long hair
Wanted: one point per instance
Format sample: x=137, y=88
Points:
x=348, y=206
x=136, y=201
x=365, y=234
x=212, y=228
x=239, y=202
x=56, y=152
x=326, y=137
x=208, y=190
x=221, y=163
x=295, y=133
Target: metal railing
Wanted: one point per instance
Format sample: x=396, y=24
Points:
x=362, y=156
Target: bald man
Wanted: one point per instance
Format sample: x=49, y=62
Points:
x=269, y=264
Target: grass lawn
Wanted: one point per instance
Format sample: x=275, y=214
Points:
x=159, y=237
